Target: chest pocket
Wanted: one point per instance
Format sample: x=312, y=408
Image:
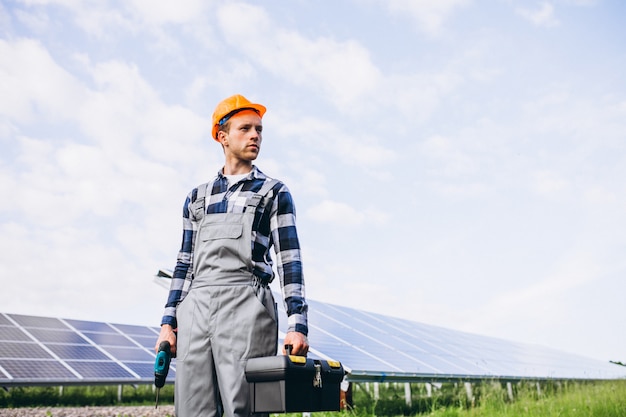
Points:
x=217, y=231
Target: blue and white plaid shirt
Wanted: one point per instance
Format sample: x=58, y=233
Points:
x=274, y=227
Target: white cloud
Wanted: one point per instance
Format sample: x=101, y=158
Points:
x=430, y=15
x=73, y=270
x=460, y=190
x=582, y=2
x=159, y=12
x=448, y=157
x=333, y=212
x=103, y=23
x=549, y=183
x=37, y=21
x=96, y=18
x=125, y=114
x=33, y=86
x=544, y=301
x=312, y=182
x=416, y=96
x=600, y=195
x=341, y=69
x=236, y=73
x=351, y=147
x=362, y=151
x=457, y=168
x=112, y=175
x=543, y=16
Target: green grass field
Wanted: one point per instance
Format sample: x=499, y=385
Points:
x=576, y=400
x=489, y=399
x=553, y=399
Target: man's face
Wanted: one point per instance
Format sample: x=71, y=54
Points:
x=243, y=139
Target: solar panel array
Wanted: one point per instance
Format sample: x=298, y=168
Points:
x=372, y=347
x=375, y=347
x=50, y=351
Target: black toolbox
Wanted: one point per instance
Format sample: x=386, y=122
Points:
x=287, y=383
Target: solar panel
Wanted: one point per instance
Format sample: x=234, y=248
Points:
x=372, y=347
x=136, y=330
x=4, y=321
x=22, y=351
x=31, y=372
x=143, y=369
x=82, y=352
x=134, y=354
x=102, y=370
x=375, y=347
x=38, y=322
x=146, y=342
x=56, y=336
x=12, y=334
x=107, y=339
x=90, y=326
x=43, y=350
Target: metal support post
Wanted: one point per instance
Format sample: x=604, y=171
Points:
x=407, y=393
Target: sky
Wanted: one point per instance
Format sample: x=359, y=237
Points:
x=459, y=163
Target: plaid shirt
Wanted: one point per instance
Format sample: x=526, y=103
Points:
x=274, y=227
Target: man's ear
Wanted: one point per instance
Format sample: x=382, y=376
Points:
x=222, y=137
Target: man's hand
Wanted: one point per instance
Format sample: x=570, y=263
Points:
x=299, y=343
x=167, y=333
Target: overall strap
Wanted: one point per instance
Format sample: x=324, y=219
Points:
x=255, y=200
x=198, y=208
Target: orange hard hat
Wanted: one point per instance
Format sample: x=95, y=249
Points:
x=231, y=105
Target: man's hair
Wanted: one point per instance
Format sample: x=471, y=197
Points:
x=224, y=127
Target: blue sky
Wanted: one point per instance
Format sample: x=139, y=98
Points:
x=454, y=162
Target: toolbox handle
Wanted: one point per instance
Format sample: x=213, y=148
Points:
x=289, y=351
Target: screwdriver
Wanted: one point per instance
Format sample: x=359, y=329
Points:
x=161, y=367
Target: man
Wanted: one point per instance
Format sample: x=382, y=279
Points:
x=220, y=310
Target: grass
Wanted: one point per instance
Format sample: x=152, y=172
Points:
x=568, y=399
x=574, y=400
x=490, y=399
x=84, y=395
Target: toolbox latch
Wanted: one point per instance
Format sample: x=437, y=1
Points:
x=317, y=380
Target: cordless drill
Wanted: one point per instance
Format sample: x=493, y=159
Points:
x=161, y=367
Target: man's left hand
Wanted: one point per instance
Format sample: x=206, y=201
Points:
x=299, y=343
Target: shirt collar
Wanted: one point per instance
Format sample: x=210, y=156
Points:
x=255, y=173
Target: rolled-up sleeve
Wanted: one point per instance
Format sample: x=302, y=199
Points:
x=288, y=260
x=183, y=271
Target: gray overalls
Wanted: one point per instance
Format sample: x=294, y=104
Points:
x=227, y=317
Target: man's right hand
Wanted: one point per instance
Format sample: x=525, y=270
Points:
x=298, y=342
x=167, y=333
